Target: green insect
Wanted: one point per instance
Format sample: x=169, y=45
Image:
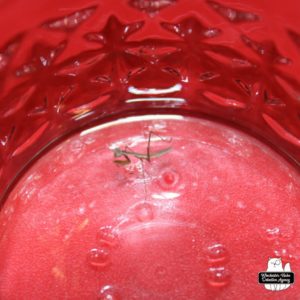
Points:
x=126, y=153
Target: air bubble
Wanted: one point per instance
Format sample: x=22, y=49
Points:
x=218, y=277
x=217, y=253
x=99, y=258
x=107, y=236
x=144, y=212
x=108, y=292
x=286, y=254
x=272, y=233
x=277, y=234
x=241, y=204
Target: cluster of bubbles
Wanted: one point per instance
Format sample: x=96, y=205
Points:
x=281, y=240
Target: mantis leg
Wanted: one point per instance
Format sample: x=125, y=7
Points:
x=149, y=141
x=124, y=162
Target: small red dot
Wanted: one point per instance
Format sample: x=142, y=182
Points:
x=168, y=178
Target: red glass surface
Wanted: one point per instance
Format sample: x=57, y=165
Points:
x=67, y=66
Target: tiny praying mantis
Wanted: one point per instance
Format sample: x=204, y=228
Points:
x=126, y=153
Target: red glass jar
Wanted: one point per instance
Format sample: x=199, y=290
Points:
x=214, y=81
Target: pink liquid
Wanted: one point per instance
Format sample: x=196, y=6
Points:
x=198, y=222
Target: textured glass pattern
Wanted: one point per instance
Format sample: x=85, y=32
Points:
x=80, y=66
